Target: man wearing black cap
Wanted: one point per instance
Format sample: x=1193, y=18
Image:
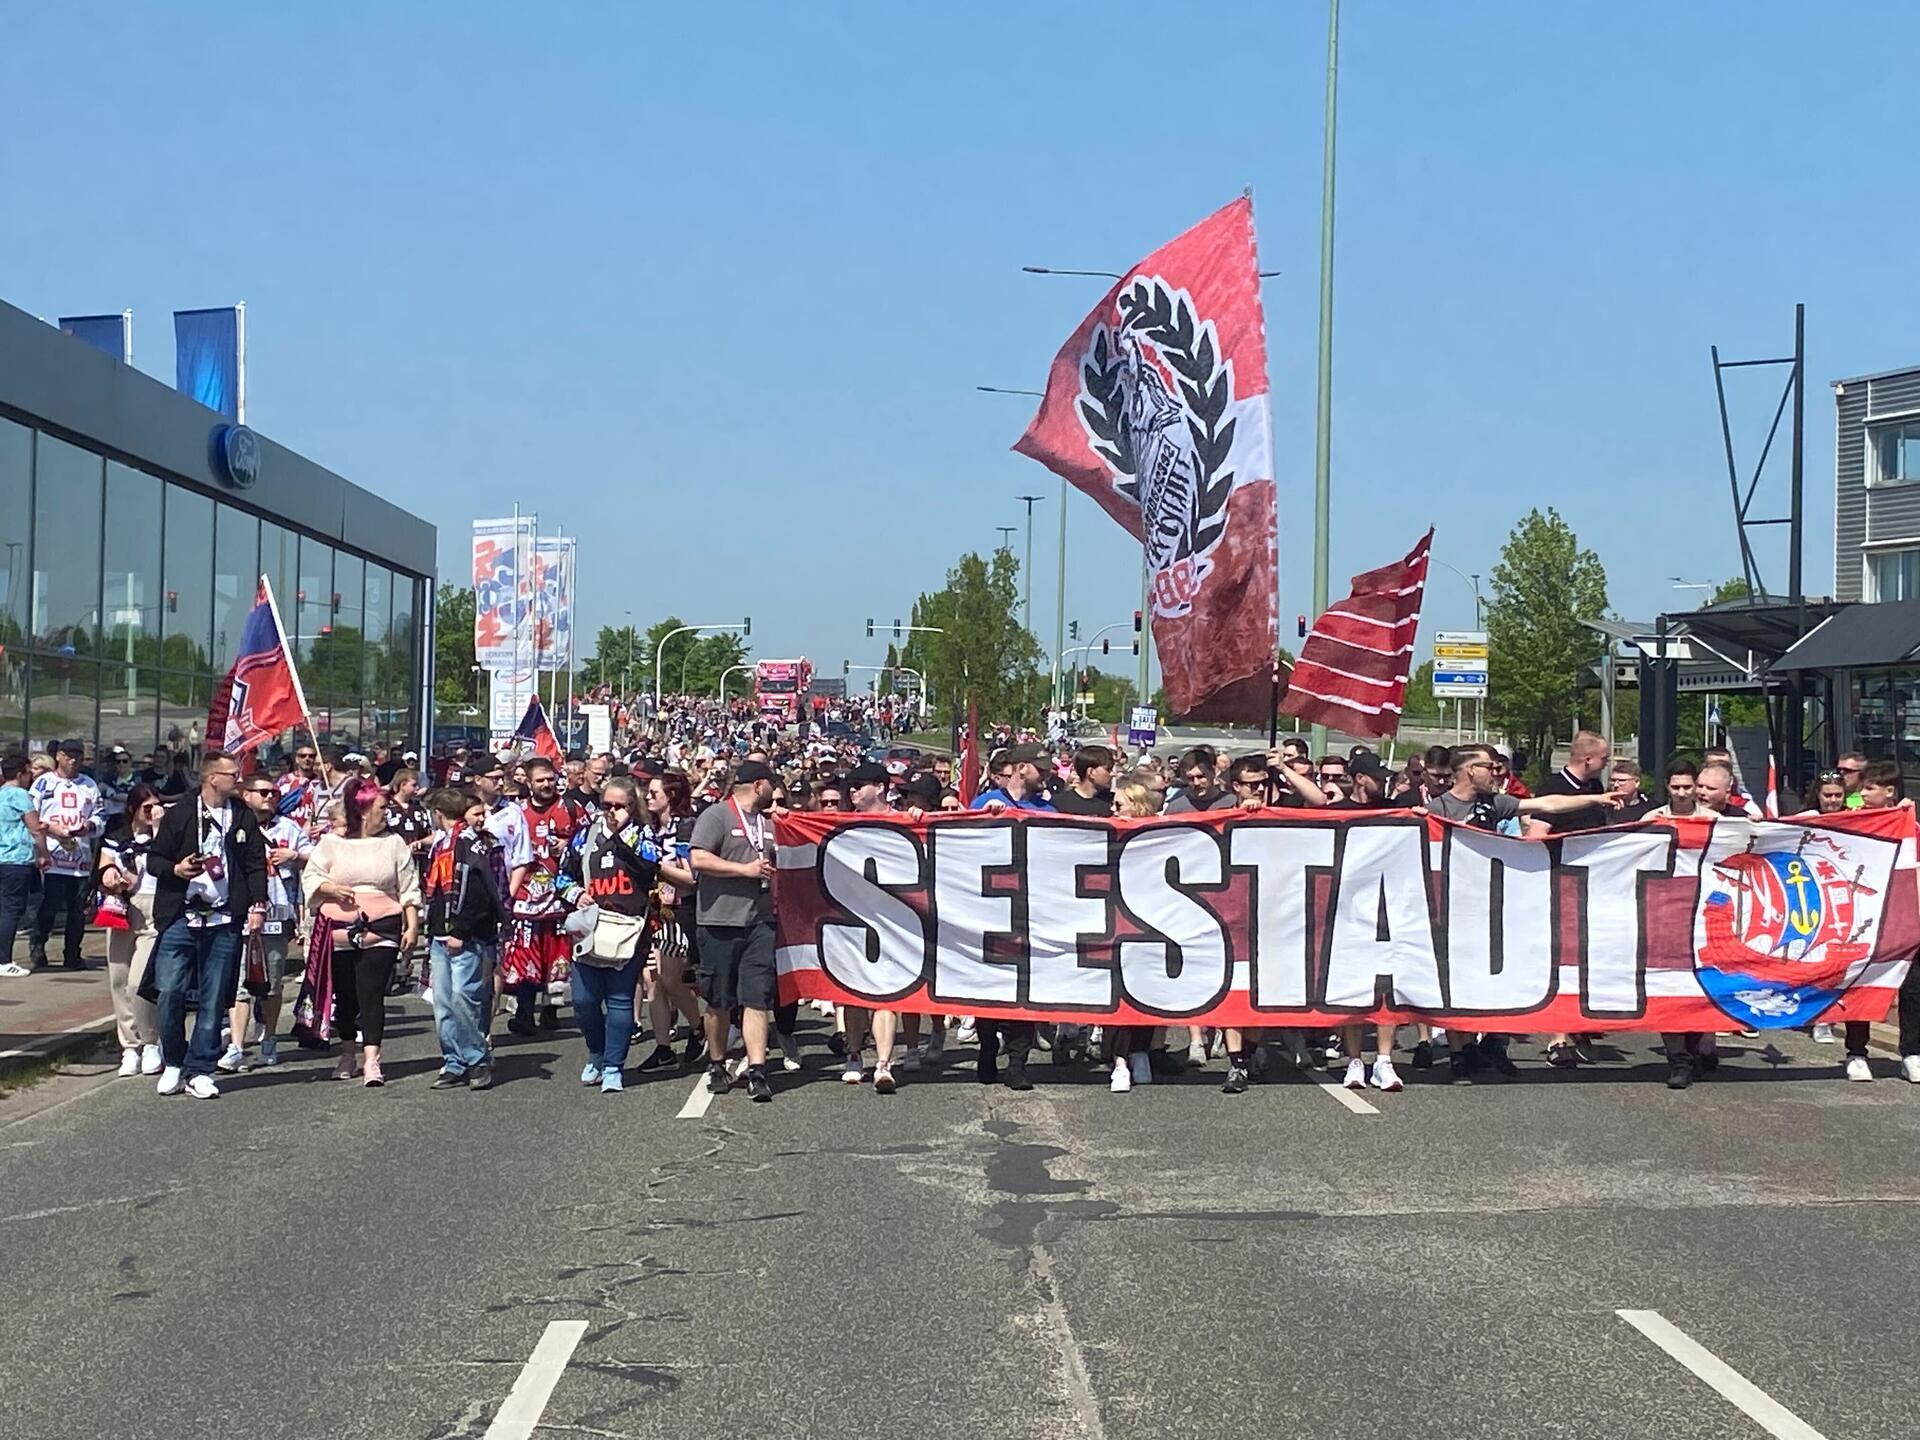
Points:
x=867, y=793
x=733, y=862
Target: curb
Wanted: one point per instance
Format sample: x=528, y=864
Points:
x=50, y=1047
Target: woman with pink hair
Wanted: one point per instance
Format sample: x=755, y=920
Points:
x=365, y=890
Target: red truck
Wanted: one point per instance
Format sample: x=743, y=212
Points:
x=780, y=689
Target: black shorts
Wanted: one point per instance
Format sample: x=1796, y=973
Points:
x=736, y=967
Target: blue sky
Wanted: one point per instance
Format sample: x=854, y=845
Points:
x=712, y=286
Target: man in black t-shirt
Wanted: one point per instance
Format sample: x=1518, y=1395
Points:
x=1091, y=792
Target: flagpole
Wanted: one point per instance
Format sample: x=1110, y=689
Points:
x=1323, y=414
x=293, y=669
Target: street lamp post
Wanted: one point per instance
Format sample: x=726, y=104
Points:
x=1323, y=410
x=1027, y=602
x=745, y=627
x=723, y=681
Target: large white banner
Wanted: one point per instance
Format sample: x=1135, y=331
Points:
x=553, y=560
x=503, y=594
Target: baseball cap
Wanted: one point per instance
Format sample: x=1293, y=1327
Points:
x=866, y=773
x=1023, y=755
x=486, y=765
x=749, y=772
x=1369, y=765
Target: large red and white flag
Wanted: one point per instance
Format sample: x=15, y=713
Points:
x=1157, y=407
x=1352, y=672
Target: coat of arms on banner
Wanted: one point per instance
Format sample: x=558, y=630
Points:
x=1785, y=918
x=1156, y=400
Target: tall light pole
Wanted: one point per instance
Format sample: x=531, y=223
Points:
x=723, y=680
x=745, y=627
x=1006, y=534
x=1323, y=411
x=1027, y=603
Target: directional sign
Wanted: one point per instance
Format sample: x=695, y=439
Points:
x=1460, y=665
x=1460, y=652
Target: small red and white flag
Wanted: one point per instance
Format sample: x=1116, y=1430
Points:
x=1352, y=672
x=1157, y=407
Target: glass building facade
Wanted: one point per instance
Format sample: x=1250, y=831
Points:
x=124, y=587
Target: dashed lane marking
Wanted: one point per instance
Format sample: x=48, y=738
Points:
x=527, y=1401
x=1765, y=1411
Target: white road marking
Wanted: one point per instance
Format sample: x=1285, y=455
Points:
x=697, y=1102
x=527, y=1401
x=1766, y=1412
x=1348, y=1098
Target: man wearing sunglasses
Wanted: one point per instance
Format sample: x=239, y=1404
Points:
x=300, y=788
x=288, y=846
x=209, y=863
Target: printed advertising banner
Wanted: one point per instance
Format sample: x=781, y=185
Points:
x=1296, y=917
x=503, y=595
x=552, y=579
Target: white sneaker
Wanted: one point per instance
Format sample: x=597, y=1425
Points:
x=1196, y=1054
x=1910, y=1069
x=1823, y=1034
x=232, y=1060
x=201, y=1087
x=1385, y=1077
x=150, y=1061
x=737, y=1066
x=790, y=1052
x=1356, y=1077
x=1858, y=1069
x=130, y=1060
x=1142, y=1066
x=169, y=1081
x=1122, y=1080
x=854, y=1072
x=1333, y=1052
x=967, y=1031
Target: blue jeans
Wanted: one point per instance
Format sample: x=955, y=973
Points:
x=206, y=960
x=462, y=986
x=603, y=1009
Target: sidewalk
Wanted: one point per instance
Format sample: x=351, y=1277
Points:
x=55, y=1009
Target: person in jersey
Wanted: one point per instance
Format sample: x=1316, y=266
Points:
x=732, y=855
x=670, y=974
x=70, y=811
x=464, y=910
x=288, y=846
x=612, y=867
x=302, y=791
x=512, y=855
x=537, y=954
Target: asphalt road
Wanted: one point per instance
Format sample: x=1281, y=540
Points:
x=308, y=1259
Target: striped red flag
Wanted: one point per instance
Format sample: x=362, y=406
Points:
x=1352, y=672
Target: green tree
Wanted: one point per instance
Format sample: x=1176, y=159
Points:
x=710, y=658
x=983, y=652
x=619, y=656
x=1420, y=703
x=454, y=682
x=1114, y=696
x=1544, y=588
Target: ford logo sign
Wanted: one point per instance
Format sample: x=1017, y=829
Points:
x=236, y=451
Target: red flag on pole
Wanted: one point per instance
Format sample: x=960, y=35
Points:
x=1352, y=672
x=1157, y=407
x=260, y=696
x=967, y=782
x=535, y=733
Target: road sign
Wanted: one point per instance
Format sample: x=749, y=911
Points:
x=1460, y=665
x=1142, y=726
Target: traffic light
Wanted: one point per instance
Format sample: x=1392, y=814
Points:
x=1136, y=622
x=1106, y=647
x=869, y=629
x=1073, y=629
x=1086, y=680
x=896, y=627
x=1303, y=627
x=746, y=625
x=846, y=666
x=173, y=602
x=1136, y=647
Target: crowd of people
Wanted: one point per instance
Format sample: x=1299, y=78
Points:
x=635, y=887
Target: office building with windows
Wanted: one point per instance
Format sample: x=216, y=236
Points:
x=133, y=525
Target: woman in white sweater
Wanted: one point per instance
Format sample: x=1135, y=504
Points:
x=365, y=888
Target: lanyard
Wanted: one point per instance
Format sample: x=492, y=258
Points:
x=757, y=835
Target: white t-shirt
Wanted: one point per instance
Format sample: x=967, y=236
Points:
x=283, y=884
x=207, y=892
x=74, y=804
x=508, y=825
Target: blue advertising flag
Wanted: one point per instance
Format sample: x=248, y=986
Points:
x=209, y=358
x=111, y=334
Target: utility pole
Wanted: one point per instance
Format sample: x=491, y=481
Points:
x=1026, y=603
x=1323, y=412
